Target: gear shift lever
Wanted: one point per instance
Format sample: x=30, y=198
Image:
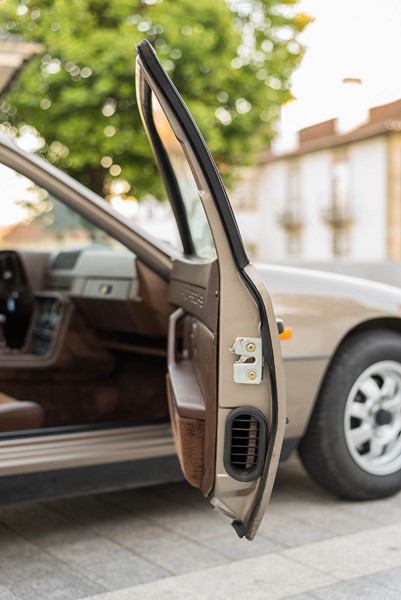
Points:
x=3, y=341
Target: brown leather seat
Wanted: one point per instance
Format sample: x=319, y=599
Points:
x=16, y=415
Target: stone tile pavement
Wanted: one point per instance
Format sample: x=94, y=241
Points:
x=167, y=543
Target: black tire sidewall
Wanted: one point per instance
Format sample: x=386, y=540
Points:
x=354, y=357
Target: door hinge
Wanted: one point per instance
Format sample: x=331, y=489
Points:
x=249, y=366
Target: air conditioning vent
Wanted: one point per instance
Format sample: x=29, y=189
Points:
x=58, y=284
x=66, y=260
x=245, y=443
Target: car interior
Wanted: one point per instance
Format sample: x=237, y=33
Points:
x=82, y=339
x=83, y=322
x=84, y=325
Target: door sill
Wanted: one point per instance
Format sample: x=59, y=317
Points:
x=84, y=448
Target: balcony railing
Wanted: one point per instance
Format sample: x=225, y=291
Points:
x=291, y=221
x=338, y=217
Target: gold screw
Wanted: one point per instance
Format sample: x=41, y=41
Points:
x=252, y=375
x=251, y=347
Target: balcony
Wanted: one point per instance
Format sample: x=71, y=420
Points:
x=338, y=217
x=291, y=221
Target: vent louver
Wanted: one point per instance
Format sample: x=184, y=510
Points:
x=58, y=284
x=245, y=443
x=66, y=260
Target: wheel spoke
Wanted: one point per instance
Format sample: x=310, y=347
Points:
x=359, y=410
x=392, y=404
x=361, y=434
x=389, y=387
x=376, y=447
x=370, y=389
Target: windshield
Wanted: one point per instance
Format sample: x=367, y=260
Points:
x=34, y=219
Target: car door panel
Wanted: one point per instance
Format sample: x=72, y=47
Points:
x=228, y=434
x=192, y=399
x=192, y=384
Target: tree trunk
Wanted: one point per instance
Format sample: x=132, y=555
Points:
x=96, y=174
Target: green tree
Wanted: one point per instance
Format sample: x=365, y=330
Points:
x=232, y=62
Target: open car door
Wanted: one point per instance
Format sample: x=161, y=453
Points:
x=225, y=375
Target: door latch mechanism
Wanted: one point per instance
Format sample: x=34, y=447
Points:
x=249, y=366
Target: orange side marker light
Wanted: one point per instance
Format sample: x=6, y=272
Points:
x=287, y=334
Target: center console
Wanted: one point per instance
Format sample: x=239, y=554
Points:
x=46, y=323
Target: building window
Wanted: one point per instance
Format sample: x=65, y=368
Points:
x=243, y=197
x=291, y=217
x=338, y=215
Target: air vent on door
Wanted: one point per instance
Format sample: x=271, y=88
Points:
x=245, y=443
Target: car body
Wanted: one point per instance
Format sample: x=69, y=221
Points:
x=91, y=319
x=326, y=310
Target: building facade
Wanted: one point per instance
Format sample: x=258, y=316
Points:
x=336, y=196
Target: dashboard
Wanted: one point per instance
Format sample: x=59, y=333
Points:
x=94, y=273
x=92, y=291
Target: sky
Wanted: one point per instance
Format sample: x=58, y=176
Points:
x=349, y=38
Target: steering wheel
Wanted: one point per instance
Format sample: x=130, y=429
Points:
x=16, y=299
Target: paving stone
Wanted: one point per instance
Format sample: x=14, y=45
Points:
x=64, y=539
x=237, y=549
x=289, y=531
x=115, y=523
x=356, y=588
x=183, y=557
x=147, y=538
x=378, y=512
x=292, y=476
x=32, y=516
x=39, y=524
x=48, y=578
x=357, y=554
x=390, y=578
x=339, y=521
x=7, y=594
x=133, y=531
x=305, y=596
x=88, y=510
x=168, y=592
x=86, y=551
x=140, y=501
x=259, y=578
x=193, y=524
x=15, y=551
x=116, y=574
x=182, y=493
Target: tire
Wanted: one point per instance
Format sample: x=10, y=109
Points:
x=352, y=446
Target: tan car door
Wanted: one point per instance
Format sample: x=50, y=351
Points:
x=225, y=376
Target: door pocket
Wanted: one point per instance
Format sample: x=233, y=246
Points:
x=192, y=391
x=189, y=435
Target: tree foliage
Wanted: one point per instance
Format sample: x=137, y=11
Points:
x=231, y=60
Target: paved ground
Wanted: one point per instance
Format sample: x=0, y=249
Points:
x=166, y=543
